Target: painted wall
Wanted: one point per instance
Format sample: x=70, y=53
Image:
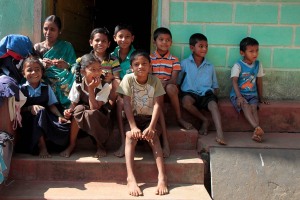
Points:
x=274, y=23
x=17, y=17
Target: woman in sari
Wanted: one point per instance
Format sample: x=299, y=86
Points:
x=58, y=57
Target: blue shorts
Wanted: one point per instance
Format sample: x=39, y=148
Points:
x=250, y=99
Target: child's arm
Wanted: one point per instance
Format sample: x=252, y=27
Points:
x=173, y=79
x=93, y=103
x=69, y=112
x=56, y=112
x=135, y=131
x=240, y=98
x=259, y=86
x=149, y=132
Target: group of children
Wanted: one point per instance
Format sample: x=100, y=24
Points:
x=133, y=82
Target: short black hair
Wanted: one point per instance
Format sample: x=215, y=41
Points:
x=123, y=26
x=161, y=30
x=196, y=37
x=246, y=42
x=139, y=52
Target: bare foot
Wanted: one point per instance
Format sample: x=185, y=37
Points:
x=44, y=153
x=204, y=128
x=220, y=141
x=120, y=152
x=67, y=152
x=134, y=189
x=100, y=153
x=184, y=124
x=162, y=187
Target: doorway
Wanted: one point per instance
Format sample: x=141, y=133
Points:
x=79, y=18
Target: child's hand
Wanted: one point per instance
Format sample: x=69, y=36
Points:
x=94, y=83
x=62, y=120
x=148, y=134
x=136, y=133
x=68, y=113
x=36, y=108
x=240, y=101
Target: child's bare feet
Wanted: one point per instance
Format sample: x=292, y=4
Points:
x=44, y=153
x=120, y=152
x=67, y=152
x=133, y=188
x=100, y=153
x=162, y=187
x=204, y=128
x=258, y=134
x=184, y=124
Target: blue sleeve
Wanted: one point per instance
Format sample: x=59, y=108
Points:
x=52, y=97
x=215, y=80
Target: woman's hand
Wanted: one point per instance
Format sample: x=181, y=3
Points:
x=47, y=62
x=60, y=63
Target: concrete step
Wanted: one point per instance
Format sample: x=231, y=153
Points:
x=58, y=190
x=183, y=166
x=278, y=116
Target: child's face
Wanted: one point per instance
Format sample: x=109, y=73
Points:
x=100, y=43
x=124, y=38
x=251, y=53
x=200, y=49
x=141, y=67
x=33, y=73
x=163, y=42
x=50, y=31
x=92, y=71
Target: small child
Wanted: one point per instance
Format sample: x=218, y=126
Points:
x=166, y=67
x=88, y=97
x=143, y=98
x=41, y=120
x=100, y=41
x=124, y=37
x=246, y=93
x=200, y=86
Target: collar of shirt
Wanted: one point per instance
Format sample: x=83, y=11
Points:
x=34, y=92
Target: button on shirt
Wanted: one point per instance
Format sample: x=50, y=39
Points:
x=36, y=92
x=200, y=79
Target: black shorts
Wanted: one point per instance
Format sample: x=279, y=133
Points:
x=201, y=102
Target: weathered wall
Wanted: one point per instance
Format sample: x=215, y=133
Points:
x=274, y=23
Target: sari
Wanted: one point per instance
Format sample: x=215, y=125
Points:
x=60, y=80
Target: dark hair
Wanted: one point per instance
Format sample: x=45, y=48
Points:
x=196, y=37
x=120, y=27
x=246, y=42
x=55, y=19
x=139, y=52
x=82, y=63
x=102, y=30
x=161, y=30
x=33, y=59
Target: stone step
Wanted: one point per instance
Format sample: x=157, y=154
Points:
x=183, y=166
x=278, y=116
x=58, y=190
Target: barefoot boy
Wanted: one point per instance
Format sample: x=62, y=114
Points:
x=143, y=96
x=200, y=85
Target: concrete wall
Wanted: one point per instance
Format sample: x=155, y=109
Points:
x=274, y=23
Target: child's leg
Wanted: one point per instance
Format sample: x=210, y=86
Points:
x=73, y=137
x=188, y=104
x=43, y=148
x=249, y=115
x=113, y=94
x=101, y=152
x=258, y=131
x=162, y=185
x=172, y=92
x=166, y=146
x=132, y=185
x=6, y=124
x=120, y=107
x=214, y=110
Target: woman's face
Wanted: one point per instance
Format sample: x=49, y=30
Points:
x=51, y=31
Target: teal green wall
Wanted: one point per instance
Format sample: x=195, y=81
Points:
x=16, y=17
x=274, y=23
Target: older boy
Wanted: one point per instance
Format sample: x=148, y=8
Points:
x=200, y=86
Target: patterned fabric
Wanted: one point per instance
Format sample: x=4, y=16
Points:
x=125, y=64
x=162, y=67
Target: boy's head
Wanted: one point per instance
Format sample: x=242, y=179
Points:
x=162, y=39
x=123, y=35
x=100, y=40
x=140, y=63
x=198, y=44
x=33, y=70
x=249, y=48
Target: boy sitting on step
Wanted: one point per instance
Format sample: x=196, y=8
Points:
x=246, y=92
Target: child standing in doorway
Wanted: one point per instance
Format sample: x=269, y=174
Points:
x=246, y=93
x=200, y=86
x=166, y=67
x=88, y=96
x=124, y=37
x=143, y=98
x=42, y=123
